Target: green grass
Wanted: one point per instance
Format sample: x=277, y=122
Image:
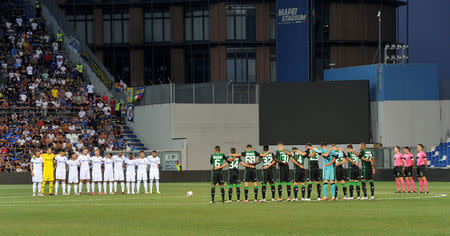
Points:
x=172, y=213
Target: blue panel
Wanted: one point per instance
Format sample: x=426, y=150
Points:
x=444, y=89
x=292, y=40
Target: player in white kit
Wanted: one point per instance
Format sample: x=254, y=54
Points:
x=85, y=176
x=73, y=164
x=36, y=172
x=131, y=172
x=118, y=172
x=96, y=161
x=108, y=173
x=61, y=160
x=154, y=171
x=142, y=163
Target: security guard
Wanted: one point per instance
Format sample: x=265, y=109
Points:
x=38, y=8
x=59, y=38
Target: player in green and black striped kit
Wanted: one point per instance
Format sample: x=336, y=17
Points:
x=248, y=160
x=353, y=171
x=368, y=170
x=340, y=172
x=313, y=171
x=233, y=176
x=299, y=171
x=267, y=172
x=218, y=161
x=282, y=157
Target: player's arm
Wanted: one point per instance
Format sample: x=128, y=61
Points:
x=331, y=162
x=275, y=158
x=295, y=162
x=342, y=162
x=287, y=152
x=351, y=161
x=31, y=168
x=246, y=165
x=327, y=153
x=258, y=161
x=373, y=165
x=269, y=165
x=264, y=154
x=235, y=155
x=231, y=159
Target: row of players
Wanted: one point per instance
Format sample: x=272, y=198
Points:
x=43, y=172
x=333, y=171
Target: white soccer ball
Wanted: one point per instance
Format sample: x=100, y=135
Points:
x=189, y=194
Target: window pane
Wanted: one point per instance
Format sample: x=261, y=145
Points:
x=81, y=29
x=107, y=31
x=198, y=28
x=230, y=27
x=89, y=17
x=251, y=70
x=167, y=30
x=239, y=27
x=206, y=27
x=273, y=27
x=188, y=28
x=157, y=30
x=148, y=30
x=230, y=69
x=70, y=17
x=126, y=31
x=240, y=71
x=117, y=31
x=117, y=16
x=90, y=32
x=157, y=14
x=197, y=13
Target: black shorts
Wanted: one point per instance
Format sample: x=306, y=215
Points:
x=398, y=171
x=283, y=174
x=340, y=173
x=267, y=175
x=250, y=175
x=217, y=177
x=367, y=173
x=314, y=174
x=408, y=171
x=299, y=174
x=421, y=171
x=233, y=177
x=353, y=173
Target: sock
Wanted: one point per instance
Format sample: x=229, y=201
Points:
x=68, y=189
x=295, y=190
x=408, y=185
x=344, y=189
x=81, y=186
x=50, y=187
x=75, y=188
x=333, y=190
x=425, y=181
x=238, y=192
x=272, y=188
x=280, y=190
x=99, y=185
x=255, y=191
x=43, y=187
x=35, y=185
x=64, y=187
x=351, y=188
x=413, y=185
x=263, y=191
x=111, y=184
x=303, y=191
x=39, y=186
x=133, y=184
x=402, y=181
x=230, y=192
x=104, y=187
x=318, y=189
x=288, y=188
x=128, y=187
x=420, y=185
x=115, y=186
x=222, y=192
x=138, y=186
x=309, y=190
x=246, y=193
x=157, y=185
x=151, y=185
x=397, y=181
x=56, y=187
x=358, y=189
x=93, y=187
x=145, y=186
x=122, y=186
x=88, y=185
x=364, y=187
x=325, y=190
x=213, y=192
x=372, y=188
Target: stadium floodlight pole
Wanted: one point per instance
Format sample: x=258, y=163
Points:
x=379, y=36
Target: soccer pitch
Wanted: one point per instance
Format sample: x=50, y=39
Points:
x=172, y=213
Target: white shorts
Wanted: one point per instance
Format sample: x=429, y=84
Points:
x=118, y=175
x=108, y=175
x=142, y=176
x=37, y=178
x=97, y=176
x=154, y=174
x=85, y=175
x=73, y=177
x=131, y=176
x=60, y=174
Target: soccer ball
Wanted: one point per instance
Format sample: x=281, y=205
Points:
x=189, y=194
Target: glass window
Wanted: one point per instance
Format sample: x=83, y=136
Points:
x=157, y=26
x=241, y=22
x=197, y=65
x=273, y=22
x=273, y=64
x=196, y=25
x=116, y=28
x=241, y=64
x=83, y=24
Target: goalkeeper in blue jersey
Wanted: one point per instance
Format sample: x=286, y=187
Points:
x=328, y=156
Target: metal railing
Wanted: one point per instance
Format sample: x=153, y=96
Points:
x=202, y=93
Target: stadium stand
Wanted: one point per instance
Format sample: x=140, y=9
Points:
x=46, y=101
x=438, y=155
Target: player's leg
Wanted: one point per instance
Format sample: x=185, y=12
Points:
x=44, y=181
x=213, y=186
x=144, y=181
x=75, y=188
x=81, y=185
x=63, y=182
x=56, y=186
x=138, y=183
x=151, y=182
x=263, y=186
x=325, y=182
x=287, y=181
x=99, y=186
x=222, y=189
x=272, y=185
x=318, y=186
x=238, y=187
x=35, y=186
x=247, y=179
x=69, y=186
x=255, y=184
x=230, y=186
x=332, y=179
x=280, y=186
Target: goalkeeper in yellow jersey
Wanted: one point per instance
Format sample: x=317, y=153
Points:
x=48, y=173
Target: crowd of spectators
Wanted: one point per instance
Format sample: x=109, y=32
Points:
x=44, y=100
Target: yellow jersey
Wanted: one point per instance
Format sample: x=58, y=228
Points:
x=48, y=161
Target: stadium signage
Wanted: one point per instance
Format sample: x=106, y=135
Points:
x=97, y=70
x=74, y=44
x=290, y=16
